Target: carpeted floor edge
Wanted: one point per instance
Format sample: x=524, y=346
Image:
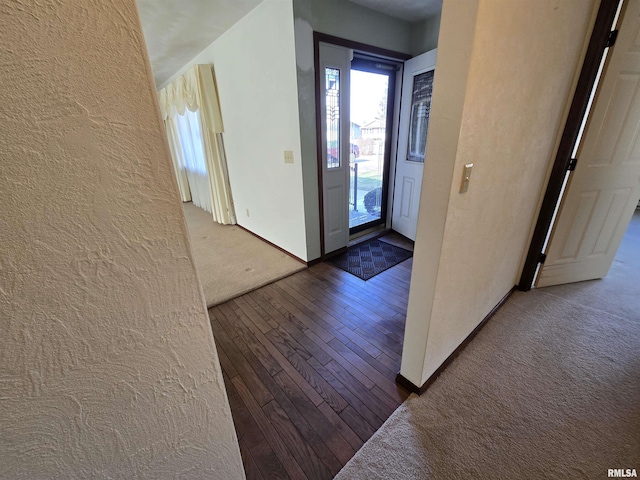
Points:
x=226, y=298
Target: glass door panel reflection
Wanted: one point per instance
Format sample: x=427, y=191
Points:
x=368, y=137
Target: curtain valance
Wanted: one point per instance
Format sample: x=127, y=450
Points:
x=195, y=89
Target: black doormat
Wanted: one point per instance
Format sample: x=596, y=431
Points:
x=368, y=259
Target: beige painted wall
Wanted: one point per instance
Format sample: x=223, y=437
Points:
x=522, y=61
x=108, y=367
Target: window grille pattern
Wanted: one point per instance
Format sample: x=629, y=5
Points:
x=420, y=110
x=332, y=102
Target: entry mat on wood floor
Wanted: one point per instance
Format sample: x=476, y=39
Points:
x=368, y=259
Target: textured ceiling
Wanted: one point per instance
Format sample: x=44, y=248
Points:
x=176, y=31
x=409, y=10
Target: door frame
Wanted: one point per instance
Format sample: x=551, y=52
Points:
x=361, y=47
x=598, y=42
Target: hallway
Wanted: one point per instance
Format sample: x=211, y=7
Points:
x=309, y=365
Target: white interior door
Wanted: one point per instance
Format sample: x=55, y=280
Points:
x=415, y=107
x=335, y=65
x=604, y=189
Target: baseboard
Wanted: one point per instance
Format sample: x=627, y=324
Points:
x=410, y=386
x=272, y=244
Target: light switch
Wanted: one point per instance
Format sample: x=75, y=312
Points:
x=466, y=177
x=288, y=156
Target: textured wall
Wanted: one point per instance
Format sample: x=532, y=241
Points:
x=515, y=87
x=107, y=362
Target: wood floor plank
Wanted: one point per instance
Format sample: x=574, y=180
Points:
x=251, y=470
x=253, y=336
x=341, y=427
x=249, y=432
x=335, y=355
x=218, y=314
x=298, y=315
x=322, y=322
x=260, y=310
x=355, y=421
x=275, y=441
x=292, y=408
x=354, y=402
x=393, y=364
x=310, y=363
x=381, y=409
x=290, y=329
x=296, y=444
x=252, y=315
x=286, y=366
x=249, y=377
x=220, y=335
x=362, y=314
x=330, y=435
x=374, y=376
x=319, y=384
x=373, y=361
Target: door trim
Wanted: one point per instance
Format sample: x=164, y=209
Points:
x=593, y=57
x=362, y=47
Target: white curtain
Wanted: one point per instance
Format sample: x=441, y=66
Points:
x=193, y=156
x=191, y=112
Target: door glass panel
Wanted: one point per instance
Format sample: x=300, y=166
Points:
x=420, y=109
x=332, y=98
x=368, y=101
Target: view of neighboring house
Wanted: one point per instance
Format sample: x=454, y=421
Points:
x=374, y=129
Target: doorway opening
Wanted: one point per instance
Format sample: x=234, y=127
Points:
x=372, y=90
x=357, y=122
x=585, y=211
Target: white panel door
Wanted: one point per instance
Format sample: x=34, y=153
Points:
x=605, y=187
x=415, y=107
x=335, y=66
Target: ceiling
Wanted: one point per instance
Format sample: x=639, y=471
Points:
x=409, y=10
x=175, y=32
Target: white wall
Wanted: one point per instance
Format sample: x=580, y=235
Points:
x=108, y=368
x=505, y=74
x=254, y=63
x=345, y=20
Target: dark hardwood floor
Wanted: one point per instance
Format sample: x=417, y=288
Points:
x=309, y=363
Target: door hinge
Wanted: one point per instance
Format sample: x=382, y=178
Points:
x=611, y=41
x=542, y=258
x=572, y=164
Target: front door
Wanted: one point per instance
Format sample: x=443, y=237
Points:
x=415, y=107
x=335, y=64
x=605, y=188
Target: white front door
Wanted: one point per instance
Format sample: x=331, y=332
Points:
x=335, y=65
x=604, y=189
x=415, y=107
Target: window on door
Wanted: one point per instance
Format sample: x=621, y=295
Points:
x=420, y=110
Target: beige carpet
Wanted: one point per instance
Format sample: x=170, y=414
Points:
x=550, y=388
x=231, y=261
